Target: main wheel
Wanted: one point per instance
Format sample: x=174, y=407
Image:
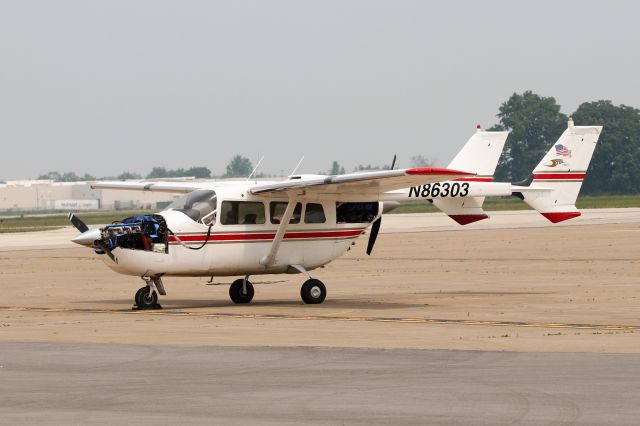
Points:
x=313, y=291
x=238, y=294
x=138, y=293
x=146, y=299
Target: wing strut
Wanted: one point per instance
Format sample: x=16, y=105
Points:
x=270, y=257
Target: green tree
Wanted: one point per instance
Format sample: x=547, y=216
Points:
x=129, y=175
x=534, y=122
x=64, y=177
x=239, y=166
x=54, y=176
x=366, y=168
x=615, y=167
x=336, y=169
x=69, y=177
x=199, y=172
x=157, y=172
x=421, y=161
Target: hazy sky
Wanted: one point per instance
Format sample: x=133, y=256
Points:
x=113, y=86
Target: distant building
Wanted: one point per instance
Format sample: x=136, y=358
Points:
x=20, y=195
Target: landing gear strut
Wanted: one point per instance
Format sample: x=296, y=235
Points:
x=241, y=291
x=147, y=296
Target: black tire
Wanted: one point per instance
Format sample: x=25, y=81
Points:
x=313, y=292
x=138, y=293
x=236, y=294
x=146, y=299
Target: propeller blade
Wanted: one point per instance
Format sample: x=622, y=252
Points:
x=78, y=223
x=373, y=235
x=105, y=249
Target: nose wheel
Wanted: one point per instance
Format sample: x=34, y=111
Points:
x=146, y=299
x=313, y=291
x=241, y=291
x=147, y=296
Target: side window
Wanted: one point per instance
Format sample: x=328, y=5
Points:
x=242, y=213
x=277, y=208
x=314, y=213
x=356, y=212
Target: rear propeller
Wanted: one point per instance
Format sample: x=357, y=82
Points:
x=373, y=235
x=375, y=226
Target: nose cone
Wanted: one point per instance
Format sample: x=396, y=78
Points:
x=87, y=238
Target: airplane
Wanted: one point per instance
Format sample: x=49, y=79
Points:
x=245, y=228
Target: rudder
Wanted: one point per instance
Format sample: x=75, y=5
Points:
x=557, y=179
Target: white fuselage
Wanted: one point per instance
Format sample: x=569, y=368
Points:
x=238, y=249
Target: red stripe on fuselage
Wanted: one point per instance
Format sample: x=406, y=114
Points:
x=267, y=236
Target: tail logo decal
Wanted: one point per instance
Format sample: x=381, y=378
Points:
x=557, y=162
x=563, y=151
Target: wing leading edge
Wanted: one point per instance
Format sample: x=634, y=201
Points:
x=361, y=184
x=172, y=187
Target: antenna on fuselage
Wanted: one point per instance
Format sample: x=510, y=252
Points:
x=393, y=163
x=295, y=169
x=255, y=168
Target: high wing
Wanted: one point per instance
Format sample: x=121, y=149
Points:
x=361, y=184
x=173, y=187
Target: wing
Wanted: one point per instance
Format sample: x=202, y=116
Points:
x=173, y=187
x=362, y=184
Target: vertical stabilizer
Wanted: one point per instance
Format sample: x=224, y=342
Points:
x=557, y=179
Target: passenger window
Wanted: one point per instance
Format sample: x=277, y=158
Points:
x=277, y=208
x=356, y=212
x=242, y=213
x=314, y=213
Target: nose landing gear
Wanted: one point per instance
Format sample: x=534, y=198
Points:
x=147, y=296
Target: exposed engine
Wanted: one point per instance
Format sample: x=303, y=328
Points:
x=143, y=232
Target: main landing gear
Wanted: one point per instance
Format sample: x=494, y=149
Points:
x=241, y=291
x=312, y=291
x=147, y=296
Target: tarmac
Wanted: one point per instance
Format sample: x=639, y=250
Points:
x=47, y=383
x=507, y=321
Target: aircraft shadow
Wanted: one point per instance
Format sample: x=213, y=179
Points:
x=342, y=304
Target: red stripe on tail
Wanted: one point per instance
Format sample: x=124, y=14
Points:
x=559, y=176
x=465, y=219
x=556, y=217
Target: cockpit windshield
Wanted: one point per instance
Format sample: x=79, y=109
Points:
x=199, y=205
